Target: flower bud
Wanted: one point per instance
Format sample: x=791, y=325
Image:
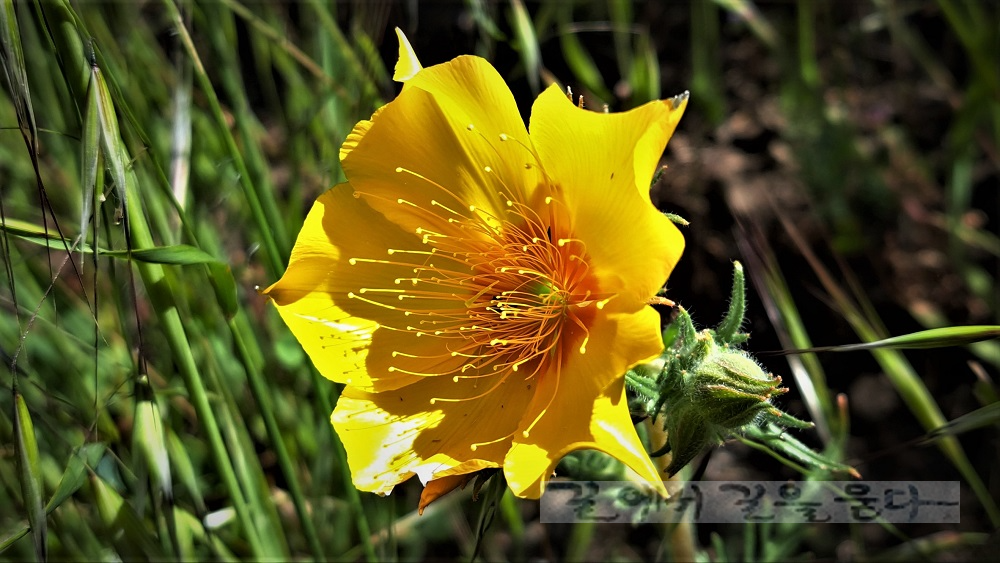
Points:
x=715, y=397
x=705, y=389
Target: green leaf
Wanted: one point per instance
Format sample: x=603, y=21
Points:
x=785, y=447
x=979, y=418
x=178, y=255
x=90, y=153
x=932, y=338
x=35, y=234
x=118, y=516
x=115, y=155
x=29, y=475
x=12, y=61
x=84, y=457
x=149, y=441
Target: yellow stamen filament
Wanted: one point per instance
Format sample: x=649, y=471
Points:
x=499, y=287
x=478, y=445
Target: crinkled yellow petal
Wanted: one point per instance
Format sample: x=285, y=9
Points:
x=473, y=93
x=464, y=147
x=596, y=144
x=392, y=435
x=357, y=132
x=407, y=66
x=584, y=404
x=601, y=166
x=312, y=296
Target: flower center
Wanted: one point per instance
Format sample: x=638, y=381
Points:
x=528, y=288
x=499, y=294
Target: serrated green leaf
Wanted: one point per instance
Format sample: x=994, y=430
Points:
x=781, y=444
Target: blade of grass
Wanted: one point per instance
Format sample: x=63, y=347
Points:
x=787, y=322
x=932, y=338
x=117, y=515
x=706, y=79
x=808, y=69
x=12, y=62
x=979, y=418
x=283, y=43
x=266, y=226
x=907, y=383
x=26, y=449
x=72, y=479
x=645, y=71
x=164, y=301
x=974, y=29
x=747, y=11
x=578, y=59
x=16, y=77
x=240, y=330
x=620, y=14
x=244, y=456
x=526, y=42
x=149, y=442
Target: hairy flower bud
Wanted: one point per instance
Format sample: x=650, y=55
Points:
x=705, y=388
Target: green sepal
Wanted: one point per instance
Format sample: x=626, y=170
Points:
x=704, y=389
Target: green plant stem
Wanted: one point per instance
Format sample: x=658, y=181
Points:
x=274, y=262
x=580, y=538
x=240, y=330
x=165, y=304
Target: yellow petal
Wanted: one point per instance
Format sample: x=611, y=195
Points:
x=584, y=405
x=451, y=141
x=600, y=166
x=392, y=435
x=312, y=295
x=407, y=66
x=357, y=132
x=473, y=93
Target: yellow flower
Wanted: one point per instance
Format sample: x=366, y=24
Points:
x=481, y=290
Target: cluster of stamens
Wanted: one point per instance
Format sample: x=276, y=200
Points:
x=505, y=291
